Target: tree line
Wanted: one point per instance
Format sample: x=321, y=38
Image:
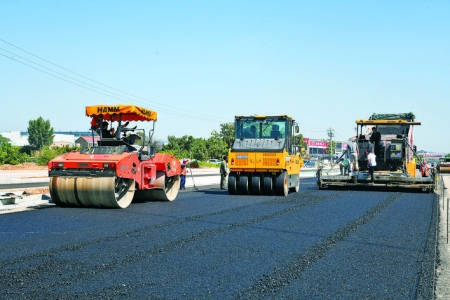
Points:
x=41, y=135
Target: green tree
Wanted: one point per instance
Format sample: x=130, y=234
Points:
x=178, y=147
x=331, y=147
x=40, y=133
x=48, y=153
x=217, y=147
x=172, y=144
x=300, y=141
x=10, y=154
x=227, y=133
x=198, y=149
x=419, y=158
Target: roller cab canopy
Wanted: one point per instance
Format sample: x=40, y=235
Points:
x=390, y=119
x=121, y=112
x=386, y=122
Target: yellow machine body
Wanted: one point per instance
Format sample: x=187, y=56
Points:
x=264, y=158
x=265, y=162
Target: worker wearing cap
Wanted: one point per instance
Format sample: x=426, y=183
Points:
x=183, y=175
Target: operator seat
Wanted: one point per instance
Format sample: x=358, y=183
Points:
x=275, y=133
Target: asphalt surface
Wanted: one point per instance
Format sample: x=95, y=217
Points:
x=209, y=245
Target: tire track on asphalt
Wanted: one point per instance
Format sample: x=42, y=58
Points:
x=50, y=263
x=269, y=284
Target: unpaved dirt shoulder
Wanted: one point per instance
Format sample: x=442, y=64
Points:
x=24, y=167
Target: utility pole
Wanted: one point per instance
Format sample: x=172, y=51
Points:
x=331, y=135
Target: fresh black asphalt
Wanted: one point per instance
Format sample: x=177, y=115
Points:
x=315, y=244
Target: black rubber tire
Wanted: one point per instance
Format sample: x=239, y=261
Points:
x=232, y=186
x=256, y=184
x=243, y=184
x=282, y=184
x=268, y=184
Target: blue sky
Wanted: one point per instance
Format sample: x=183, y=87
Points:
x=200, y=63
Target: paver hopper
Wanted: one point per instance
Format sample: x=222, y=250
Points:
x=114, y=171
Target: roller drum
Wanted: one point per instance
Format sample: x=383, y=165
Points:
x=166, y=189
x=108, y=192
x=443, y=169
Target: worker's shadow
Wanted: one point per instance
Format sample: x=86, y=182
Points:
x=211, y=191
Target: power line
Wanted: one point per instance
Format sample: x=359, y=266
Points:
x=91, y=87
x=330, y=133
x=106, y=93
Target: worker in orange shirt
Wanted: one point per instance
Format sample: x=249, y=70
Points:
x=183, y=175
x=424, y=169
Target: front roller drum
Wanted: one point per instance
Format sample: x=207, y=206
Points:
x=108, y=192
x=444, y=169
x=166, y=189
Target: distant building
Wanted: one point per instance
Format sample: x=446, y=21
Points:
x=16, y=138
x=20, y=138
x=76, y=134
x=318, y=148
x=86, y=141
x=63, y=140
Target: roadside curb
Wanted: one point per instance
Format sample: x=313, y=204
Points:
x=21, y=203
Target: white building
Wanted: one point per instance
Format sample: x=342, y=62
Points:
x=17, y=138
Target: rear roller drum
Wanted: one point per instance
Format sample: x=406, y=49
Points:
x=444, y=169
x=111, y=192
x=166, y=189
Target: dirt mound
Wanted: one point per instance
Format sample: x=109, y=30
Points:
x=24, y=166
x=36, y=191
